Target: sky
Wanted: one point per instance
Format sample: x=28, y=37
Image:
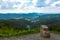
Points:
x=29, y=6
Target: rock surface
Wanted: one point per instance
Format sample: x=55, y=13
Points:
x=33, y=37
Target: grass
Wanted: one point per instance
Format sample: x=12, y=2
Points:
x=9, y=32
x=55, y=32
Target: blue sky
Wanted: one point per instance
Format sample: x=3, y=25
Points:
x=29, y=6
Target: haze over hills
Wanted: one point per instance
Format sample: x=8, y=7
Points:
x=30, y=16
x=18, y=16
x=33, y=19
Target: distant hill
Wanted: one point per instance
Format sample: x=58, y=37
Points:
x=30, y=16
x=32, y=19
x=48, y=16
x=17, y=16
x=49, y=19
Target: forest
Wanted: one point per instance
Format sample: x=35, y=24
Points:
x=16, y=27
x=24, y=26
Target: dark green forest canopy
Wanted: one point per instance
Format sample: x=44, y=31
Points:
x=51, y=20
x=17, y=23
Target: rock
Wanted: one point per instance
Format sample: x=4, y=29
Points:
x=44, y=31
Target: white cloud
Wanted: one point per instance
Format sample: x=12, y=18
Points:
x=15, y=6
x=4, y=0
x=0, y=6
x=50, y=10
x=47, y=1
x=25, y=7
x=55, y=3
x=23, y=4
x=11, y=0
x=34, y=2
x=22, y=1
x=30, y=10
x=22, y=7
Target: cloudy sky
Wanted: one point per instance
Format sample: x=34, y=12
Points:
x=29, y=6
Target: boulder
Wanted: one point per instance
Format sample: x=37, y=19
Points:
x=44, y=31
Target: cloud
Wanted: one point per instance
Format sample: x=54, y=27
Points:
x=18, y=4
x=55, y=3
x=34, y=2
x=50, y=10
x=4, y=0
x=31, y=10
x=47, y=2
x=0, y=6
x=14, y=3
x=28, y=6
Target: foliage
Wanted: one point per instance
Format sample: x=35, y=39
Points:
x=17, y=27
x=52, y=21
x=8, y=32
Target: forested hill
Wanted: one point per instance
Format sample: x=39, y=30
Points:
x=33, y=20
x=19, y=15
x=29, y=15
